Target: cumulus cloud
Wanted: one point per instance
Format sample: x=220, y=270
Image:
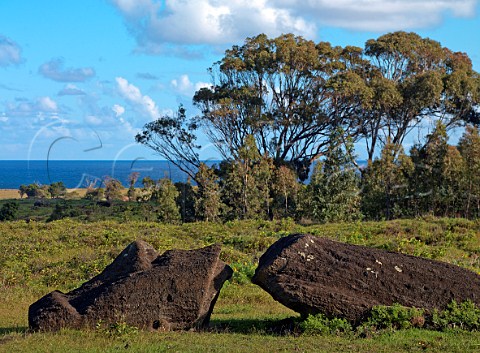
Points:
x=118, y=110
x=206, y=21
x=184, y=86
x=141, y=103
x=383, y=15
x=157, y=23
x=107, y=119
x=10, y=52
x=37, y=108
x=47, y=104
x=71, y=90
x=54, y=70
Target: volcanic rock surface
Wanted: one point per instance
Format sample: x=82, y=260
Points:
x=314, y=275
x=176, y=290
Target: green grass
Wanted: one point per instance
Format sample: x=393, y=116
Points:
x=37, y=258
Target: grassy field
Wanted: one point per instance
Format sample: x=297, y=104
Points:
x=9, y=194
x=37, y=258
x=6, y=194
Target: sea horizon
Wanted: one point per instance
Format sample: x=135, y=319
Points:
x=82, y=173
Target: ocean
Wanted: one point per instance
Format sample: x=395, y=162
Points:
x=78, y=174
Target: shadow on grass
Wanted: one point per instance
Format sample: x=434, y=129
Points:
x=17, y=329
x=246, y=326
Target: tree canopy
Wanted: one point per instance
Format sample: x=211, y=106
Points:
x=292, y=94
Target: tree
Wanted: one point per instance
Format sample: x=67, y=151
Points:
x=186, y=200
x=263, y=173
x=22, y=190
x=173, y=138
x=469, y=146
x=57, y=189
x=207, y=196
x=147, y=189
x=413, y=78
x=284, y=92
x=240, y=188
x=385, y=184
x=34, y=190
x=113, y=189
x=291, y=94
x=132, y=179
x=166, y=197
x=285, y=188
x=8, y=211
x=333, y=193
x=429, y=183
x=95, y=194
x=454, y=171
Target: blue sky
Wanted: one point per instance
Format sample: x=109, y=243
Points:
x=79, y=78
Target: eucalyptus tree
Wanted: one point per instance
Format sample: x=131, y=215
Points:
x=469, y=146
x=291, y=94
x=415, y=80
x=288, y=93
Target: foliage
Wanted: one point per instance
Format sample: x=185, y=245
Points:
x=95, y=194
x=242, y=272
x=245, y=317
x=113, y=189
x=333, y=194
x=8, y=211
x=319, y=324
x=186, y=201
x=291, y=94
x=241, y=191
x=413, y=78
x=165, y=197
x=57, y=189
x=34, y=190
x=207, y=197
x=385, y=184
x=118, y=330
x=469, y=147
x=286, y=189
x=63, y=210
x=395, y=317
x=464, y=316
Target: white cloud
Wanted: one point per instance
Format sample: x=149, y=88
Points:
x=207, y=21
x=38, y=108
x=184, y=86
x=71, y=90
x=141, y=103
x=156, y=23
x=54, y=70
x=93, y=120
x=118, y=109
x=47, y=104
x=384, y=15
x=10, y=52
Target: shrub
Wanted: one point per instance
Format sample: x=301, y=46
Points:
x=465, y=316
x=395, y=317
x=8, y=211
x=319, y=324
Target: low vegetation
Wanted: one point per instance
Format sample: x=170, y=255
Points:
x=39, y=257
